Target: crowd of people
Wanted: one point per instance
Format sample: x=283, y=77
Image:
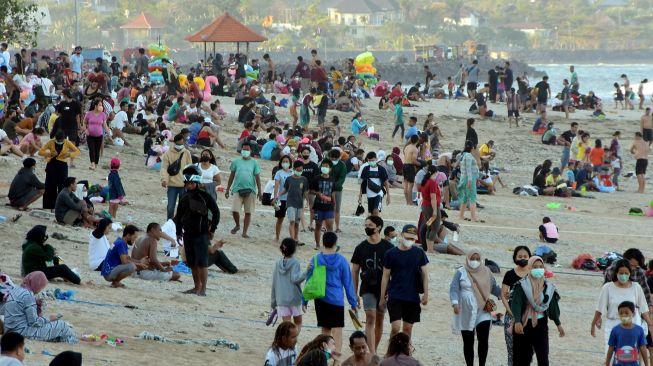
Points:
x=90, y=107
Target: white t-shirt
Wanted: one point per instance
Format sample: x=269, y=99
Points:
x=3, y=134
x=3, y=89
x=171, y=230
x=208, y=174
x=46, y=84
x=5, y=59
x=375, y=180
x=9, y=361
x=611, y=296
x=120, y=120
x=97, y=250
x=281, y=357
x=141, y=103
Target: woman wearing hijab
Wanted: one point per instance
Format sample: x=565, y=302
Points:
x=39, y=256
x=56, y=153
x=467, y=182
x=470, y=289
x=98, y=245
x=520, y=257
x=23, y=313
x=534, y=300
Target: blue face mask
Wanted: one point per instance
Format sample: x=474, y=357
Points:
x=623, y=277
x=537, y=273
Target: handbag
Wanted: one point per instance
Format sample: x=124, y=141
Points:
x=489, y=305
x=373, y=186
x=244, y=193
x=175, y=167
x=315, y=287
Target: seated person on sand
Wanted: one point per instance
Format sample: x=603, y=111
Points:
x=39, y=256
x=539, y=182
x=206, y=136
x=584, y=178
x=70, y=210
x=556, y=181
x=119, y=123
x=414, y=94
x=355, y=163
x=361, y=352
x=388, y=163
x=146, y=247
x=118, y=265
x=489, y=178
x=436, y=89
x=540, y=122
x=30, y=144
x=25, y=188
x=22, y=313
x=550, y=135
x=7, y=146
x=486, y=151
x=344, y=103
x=548, y=231
x=358, y=125
x=98, y=245
x=442, y=245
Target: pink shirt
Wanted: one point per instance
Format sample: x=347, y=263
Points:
x=95, y=123
x=30, y=137
x=551, y=230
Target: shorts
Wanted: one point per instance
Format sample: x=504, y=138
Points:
x=72, y=217
x=564, y=160
x=640, y=166
x=328, y=315
x=513, y=113
x=24, y=199
x=409, y=172
x=283, y=311
x=371, y=302
x=374, y=203
x=270, y=76
x=197, y=250
x=294, y=214
x=441, y=247
x=338, y=195
x=324, y=215
x=541, y=101
x=117, y=271
x=407, y=311
x=248, y=203
x=281, y=212
x=311, y=200
x=153, y=275
x=471, y=86
x=321, y=119
x=647, y=134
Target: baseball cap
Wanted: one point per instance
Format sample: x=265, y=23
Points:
x=409, y=231
x=555, y=171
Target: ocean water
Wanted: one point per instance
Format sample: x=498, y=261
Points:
x=598, y=78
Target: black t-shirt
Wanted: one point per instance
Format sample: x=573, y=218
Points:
x=325, y=186
x=472, y=136
x=540, y=181
x=163, y=103
x=370, y=259
x=510, y=279
x=68, y=112
x=412, y=90
x=310, y=170
x=480, y=100
x=542, y=89
x=568, y=136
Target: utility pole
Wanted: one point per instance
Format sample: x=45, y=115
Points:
x=76, y=23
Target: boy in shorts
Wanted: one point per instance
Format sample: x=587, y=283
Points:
x=323, y=188
x=513, y=104
x=295, y=187
x=626, y=339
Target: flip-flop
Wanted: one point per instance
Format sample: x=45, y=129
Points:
x=272, y=318
x=16, y=218
x=354, y=320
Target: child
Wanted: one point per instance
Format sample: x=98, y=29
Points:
x=512, y=102
x=116, y=191
x=615, y=163
x=596, y=155
x=322, y=187
x=399, y=118
x=548, y=231
x=625, y=339
x=286, y=284
x=450, y=86
x=619, y=96
x=295, y=187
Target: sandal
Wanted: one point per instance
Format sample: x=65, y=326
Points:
x=338, y=231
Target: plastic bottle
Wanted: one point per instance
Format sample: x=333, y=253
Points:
x=455, y=236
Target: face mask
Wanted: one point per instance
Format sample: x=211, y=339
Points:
x=328, y=353
x=626, y=320
x=390, y=162
x=245, y=153
x=85, y=194
x=305, y=157
x=474, y=264
x=521, y=262
x=297, y=173
x=623, y=278
x=537, y=273
x=285, y=165
x=372, y=164
x=325, y=170
x=179, y=147
x=58, y=143
x=393, y=240
x=205, y=159
x=369, y=231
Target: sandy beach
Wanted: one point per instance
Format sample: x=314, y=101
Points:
x=236, y=305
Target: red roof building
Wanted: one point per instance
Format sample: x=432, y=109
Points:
x=141, y=30
x=225, y=29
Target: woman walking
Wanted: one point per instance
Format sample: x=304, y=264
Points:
x=520, y=257
x=286, y=285
x=614, y=293
x=279, y=199
x=210, y=173
x=467, y=182
x=56, y=153
x=95, y=123
x=470, y=292
x=534, y=300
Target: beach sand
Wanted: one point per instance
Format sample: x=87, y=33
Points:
x=236, y=304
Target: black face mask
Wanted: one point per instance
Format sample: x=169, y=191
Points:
x=521, y=262
x=370, y=231
x=205, y=159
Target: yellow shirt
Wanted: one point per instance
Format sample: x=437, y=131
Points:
x=69, y=150
x=580, y=156
x=551, y=182
x=485, y=150
x=53, y=118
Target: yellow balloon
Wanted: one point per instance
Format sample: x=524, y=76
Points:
x=200, y=82
x=183, y=80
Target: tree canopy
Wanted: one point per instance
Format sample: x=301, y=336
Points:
x=19, y=22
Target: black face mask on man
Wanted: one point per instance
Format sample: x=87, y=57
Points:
x=370, y=231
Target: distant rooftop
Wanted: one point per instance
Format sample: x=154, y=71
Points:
x=143, y=21
x=367, y=6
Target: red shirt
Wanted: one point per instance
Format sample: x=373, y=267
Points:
x=396, y=93
x=244, y=134
x=427, y=189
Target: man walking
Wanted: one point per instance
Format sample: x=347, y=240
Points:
x=338, y=174
x=196, y=220
x=404, y=278
x=640, y=150
x=302, y=70
x=374, y=184
x=245, y=186
x=172, y=163
x=142, y=63
x=565, y=140
x=368, y=262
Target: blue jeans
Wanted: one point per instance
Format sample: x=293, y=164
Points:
x=564, y=159
x=174, y=193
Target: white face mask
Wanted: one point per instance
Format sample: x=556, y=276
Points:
x=474, y=264
x=406, y=243
x=394, y=240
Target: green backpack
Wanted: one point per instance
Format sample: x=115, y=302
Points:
x=315, y=287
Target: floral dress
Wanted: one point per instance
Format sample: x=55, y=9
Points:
x=468, y=174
